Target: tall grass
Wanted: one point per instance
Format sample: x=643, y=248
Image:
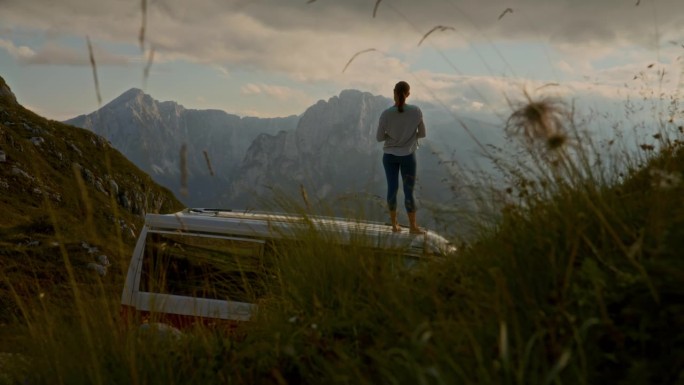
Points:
x=572, y=275
x=577, y=280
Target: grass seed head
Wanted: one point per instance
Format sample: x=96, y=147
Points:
x=540, y=122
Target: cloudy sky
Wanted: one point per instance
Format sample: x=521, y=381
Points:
x=277, y=57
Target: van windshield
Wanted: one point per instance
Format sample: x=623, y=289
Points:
x=203, y=266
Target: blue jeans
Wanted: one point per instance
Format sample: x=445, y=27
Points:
x=407, y=166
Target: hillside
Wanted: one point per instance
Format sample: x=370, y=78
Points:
x=65, y=196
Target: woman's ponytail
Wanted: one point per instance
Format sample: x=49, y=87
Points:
x=401, y=91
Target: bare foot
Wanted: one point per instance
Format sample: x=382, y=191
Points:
x=396, y=228
x=416, y=230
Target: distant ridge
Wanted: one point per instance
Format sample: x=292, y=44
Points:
x=152, y=133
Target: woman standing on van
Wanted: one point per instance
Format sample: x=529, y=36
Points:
x=400, y=127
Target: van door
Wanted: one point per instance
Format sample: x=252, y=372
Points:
x=190, y=277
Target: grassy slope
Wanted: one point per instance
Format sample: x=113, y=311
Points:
x=53, y=205
x=580, y=282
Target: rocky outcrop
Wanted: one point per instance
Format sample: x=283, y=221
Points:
x=6, y=94
x=26, y=141
x=332, y=152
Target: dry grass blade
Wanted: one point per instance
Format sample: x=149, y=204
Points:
x=507, y=10
x=206, y=157
x=87, y=204
x=375, y=9
x=184, y=169
x=355, y=55
x=548, y=85
x=305, y=196
x=141, y=35
x=150, y=60
x=94, y=67
x=440, y=28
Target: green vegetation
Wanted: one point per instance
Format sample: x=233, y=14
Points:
x=66, y=197
x=573, y=276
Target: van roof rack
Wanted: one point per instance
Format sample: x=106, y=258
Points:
x=276, y=225
x=207, y=210
x=272, y=215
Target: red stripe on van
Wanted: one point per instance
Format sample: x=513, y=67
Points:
x=132, y=316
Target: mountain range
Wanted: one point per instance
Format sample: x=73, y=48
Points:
x=167, y=140
x=328, y=154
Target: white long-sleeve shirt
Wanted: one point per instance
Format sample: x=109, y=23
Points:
x=400, y=130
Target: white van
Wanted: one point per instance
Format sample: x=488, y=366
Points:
x=204, y=265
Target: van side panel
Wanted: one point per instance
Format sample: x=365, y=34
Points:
x=139, y=317
x=192, y=278
x=196, y=307
x=133, y=275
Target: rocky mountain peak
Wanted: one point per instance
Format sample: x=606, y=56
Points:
x=6, y=93
x=133, y=95
x=136, y=99
x=347, y=120
x=333, y=137
x=151, y=134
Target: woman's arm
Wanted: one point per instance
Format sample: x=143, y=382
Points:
x=381, y=134
x=421, y=126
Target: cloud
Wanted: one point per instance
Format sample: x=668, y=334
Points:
x=251, y=89
x=496, y=96
x=304, y=45
x=277, y=92
x=20, y=53
x=55, y=54
x=311, y=42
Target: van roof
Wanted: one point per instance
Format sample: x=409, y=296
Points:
x=283, y=225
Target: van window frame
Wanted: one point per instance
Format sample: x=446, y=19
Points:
x=231, y=309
